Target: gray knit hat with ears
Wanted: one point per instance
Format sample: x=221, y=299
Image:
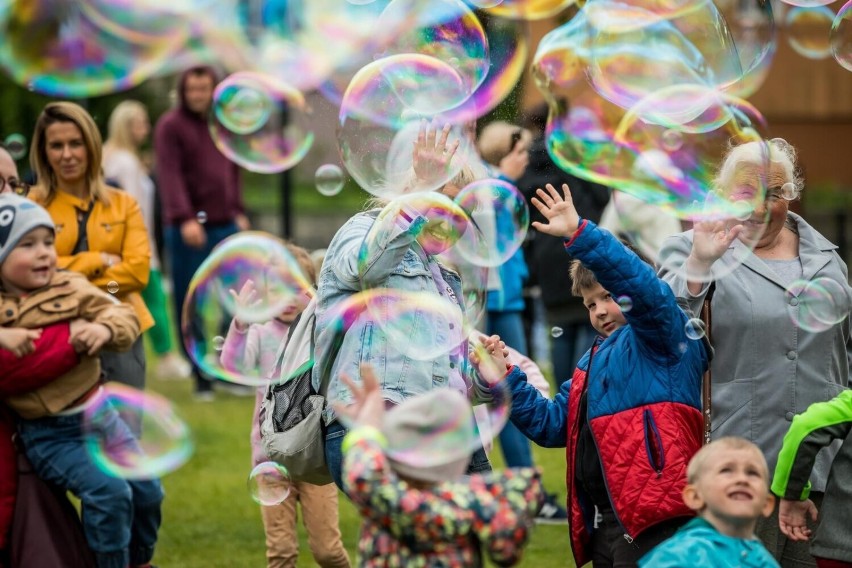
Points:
x=19, y=216
x=431, y=436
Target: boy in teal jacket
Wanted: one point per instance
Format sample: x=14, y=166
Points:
x=814, y=429
x=728, y=486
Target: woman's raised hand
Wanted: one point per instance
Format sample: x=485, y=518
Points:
x=710, y=241
x=432, y=153
x=562, y=217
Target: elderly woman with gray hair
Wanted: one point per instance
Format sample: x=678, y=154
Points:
x=769, y=364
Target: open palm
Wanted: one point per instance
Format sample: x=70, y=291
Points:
x=559, y=210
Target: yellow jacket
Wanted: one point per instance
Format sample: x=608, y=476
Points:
x=117, y=228
x=68, y=296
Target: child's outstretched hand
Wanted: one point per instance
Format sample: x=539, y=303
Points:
x=18, y=340
x=368, y=408
x=562, y=217
x=432, y=154
x=792, y=518
x=89, y=337
x=245, y=300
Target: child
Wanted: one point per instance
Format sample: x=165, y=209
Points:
x=814, y=429
x=120, y=518
x=253, y=347
x=728, y=486
x=631, y=415
x=418, y=512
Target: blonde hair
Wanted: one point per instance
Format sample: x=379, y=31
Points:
x=72, y=113
x=698, y=464
x=306, y=263
x=755, y=153
x=119, y=128
x=495, y=140
x=465, y=176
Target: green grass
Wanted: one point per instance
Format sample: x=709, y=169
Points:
x=209, y=520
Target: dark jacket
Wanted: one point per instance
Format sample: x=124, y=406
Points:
x=545, y=255
x=192, y=175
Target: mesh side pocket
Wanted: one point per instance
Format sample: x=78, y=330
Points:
x=291, y=402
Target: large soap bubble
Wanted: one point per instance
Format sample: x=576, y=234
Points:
x=260, y=123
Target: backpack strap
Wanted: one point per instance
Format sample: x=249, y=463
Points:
x=706, y=382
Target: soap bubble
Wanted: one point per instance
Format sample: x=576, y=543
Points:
x=162, y=445
x=269, y=483
x=260, y=123
x=329, y=179
x=840, y=36
x=809, y=31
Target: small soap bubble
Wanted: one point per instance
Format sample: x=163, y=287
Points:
x=112, y=287
x=16, y=145
x=329, y=179
x=625, y=303
x=218, y=342
x=672, y=140
x=269, y=483
x=201, y=217
x=788, y=191
x=556, y=332
x=695, y=328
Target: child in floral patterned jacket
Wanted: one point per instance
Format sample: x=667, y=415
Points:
x=404, y=471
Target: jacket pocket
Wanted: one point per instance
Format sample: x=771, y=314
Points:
x=653, y=442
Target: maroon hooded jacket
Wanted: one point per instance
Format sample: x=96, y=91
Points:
x=192, y=174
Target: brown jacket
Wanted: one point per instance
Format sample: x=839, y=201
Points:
x=68, y=296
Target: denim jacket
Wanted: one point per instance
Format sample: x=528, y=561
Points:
x=395, y=261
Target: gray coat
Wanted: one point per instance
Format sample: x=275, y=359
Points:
x=766, y=369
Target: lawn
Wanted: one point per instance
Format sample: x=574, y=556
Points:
x=210, y=520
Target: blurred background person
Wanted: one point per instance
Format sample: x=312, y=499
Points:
x=504, y=147
x=566, y=316
x=128, y=131
x=200, y=191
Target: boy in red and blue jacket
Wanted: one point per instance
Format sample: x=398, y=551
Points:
x=630, y=417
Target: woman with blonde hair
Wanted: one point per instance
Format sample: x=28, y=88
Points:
x=99, y=229
x=128, y=130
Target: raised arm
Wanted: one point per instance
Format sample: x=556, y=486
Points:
x=542, y=420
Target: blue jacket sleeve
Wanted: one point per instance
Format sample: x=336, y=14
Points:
x=656, y=318
x=542, y=420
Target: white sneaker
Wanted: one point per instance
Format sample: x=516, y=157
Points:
x=173, y=367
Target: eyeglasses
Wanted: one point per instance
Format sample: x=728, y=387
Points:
x=16, y=185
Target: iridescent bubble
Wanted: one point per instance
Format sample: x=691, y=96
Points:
x=201, y=217
x=808, y=31
x=112, y=287
x=625, y=303
x=436, y=221
x=819, y=304
x=16, y=145
x=528, y=9
x=73, y=50
x=695, y=329
x=163, y=444
x=840, y=36
x=789, y=191
x=808, y=3
x=556, y=332
x=448, y=31
x=484, y=3
x=500, y=213
x=329, y=179
x=260, y=123
x=672, y=140
x=380, y=158
x=398, y=89
x=249, y=279
x=269, y=483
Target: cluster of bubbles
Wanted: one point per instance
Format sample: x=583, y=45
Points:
x=161, y=443
x=250, y=278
